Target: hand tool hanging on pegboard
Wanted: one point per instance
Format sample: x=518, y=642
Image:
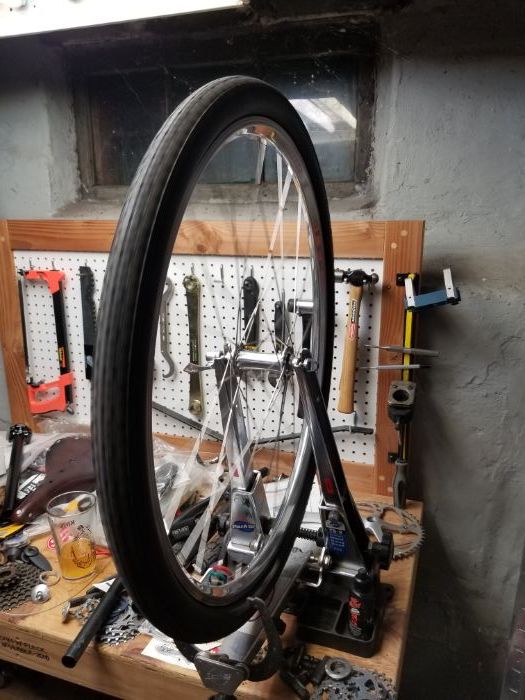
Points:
x=60, y=390
x=356, y=280
x=164, y=329
x=402, y=393
x=192, y=286
x=89, y=317
x=251, y=312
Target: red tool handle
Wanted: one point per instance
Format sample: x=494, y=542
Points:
x=57, y=402
x=51, y=277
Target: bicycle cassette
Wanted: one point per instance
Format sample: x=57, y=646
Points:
x=406, y=528
x=361, y=684
x=17, y=581
x=122, y=626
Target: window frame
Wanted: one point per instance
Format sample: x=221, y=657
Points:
x=362, y=52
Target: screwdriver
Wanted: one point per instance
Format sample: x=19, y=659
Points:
x=406, y=351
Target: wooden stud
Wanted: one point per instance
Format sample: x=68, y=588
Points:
x=403, y=253
x=11, y=334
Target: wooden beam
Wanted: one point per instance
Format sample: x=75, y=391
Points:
x=403, y=253
x=352, y=239
x=11, y=336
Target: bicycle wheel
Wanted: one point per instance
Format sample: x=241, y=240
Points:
x=244, y=393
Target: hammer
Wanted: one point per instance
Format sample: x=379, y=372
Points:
x=356, y=279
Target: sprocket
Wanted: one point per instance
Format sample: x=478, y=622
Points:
x=406, y=528
x=362, y=684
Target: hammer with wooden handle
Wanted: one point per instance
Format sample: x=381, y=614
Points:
x=356, y=279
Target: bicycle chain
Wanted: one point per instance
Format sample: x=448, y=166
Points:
x=16, y=585
x=406, y=524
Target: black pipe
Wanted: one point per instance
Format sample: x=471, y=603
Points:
x=93, y=624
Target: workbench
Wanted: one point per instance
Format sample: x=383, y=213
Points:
x=34, y=636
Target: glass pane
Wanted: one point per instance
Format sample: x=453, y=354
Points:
x=127, y=110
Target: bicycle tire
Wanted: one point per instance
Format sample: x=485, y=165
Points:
x=121, y=403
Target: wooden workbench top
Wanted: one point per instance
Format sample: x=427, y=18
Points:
x=34, y=636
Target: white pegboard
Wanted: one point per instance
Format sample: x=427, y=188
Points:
x=218, y=310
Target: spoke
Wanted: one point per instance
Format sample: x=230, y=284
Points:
x=261, y=154
x=275, y=392
x=277, y=446
x=171, y=510
x=215, y=496
x=296, y=275
x=210, y=282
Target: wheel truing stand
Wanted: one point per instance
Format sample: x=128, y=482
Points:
x=346, y=544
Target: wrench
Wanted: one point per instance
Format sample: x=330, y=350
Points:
x=163, y=321
x=193, y=294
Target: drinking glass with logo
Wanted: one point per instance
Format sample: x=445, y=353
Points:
x=72, y=519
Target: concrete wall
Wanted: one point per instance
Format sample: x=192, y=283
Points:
x=38, y=164
x=449, y=148
x=449, y=143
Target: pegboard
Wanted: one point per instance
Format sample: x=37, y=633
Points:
x=220, y=278
x=387, y=247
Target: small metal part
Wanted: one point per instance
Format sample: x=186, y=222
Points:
x=164, y=329
x=64, y=615
x=401, y=394
x=51, y=578
x=449, y=284
x=337, y=668
x=409, y=293
x=40, y=593
x=32, y=555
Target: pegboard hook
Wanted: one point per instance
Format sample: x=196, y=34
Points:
x=221, y=281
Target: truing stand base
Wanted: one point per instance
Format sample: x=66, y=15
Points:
x=323, y=618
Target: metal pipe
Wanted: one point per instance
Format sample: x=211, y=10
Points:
x=93, y=624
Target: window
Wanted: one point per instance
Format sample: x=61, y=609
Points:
x=120, y=105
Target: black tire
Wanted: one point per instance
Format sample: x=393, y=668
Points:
x=121, y=406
